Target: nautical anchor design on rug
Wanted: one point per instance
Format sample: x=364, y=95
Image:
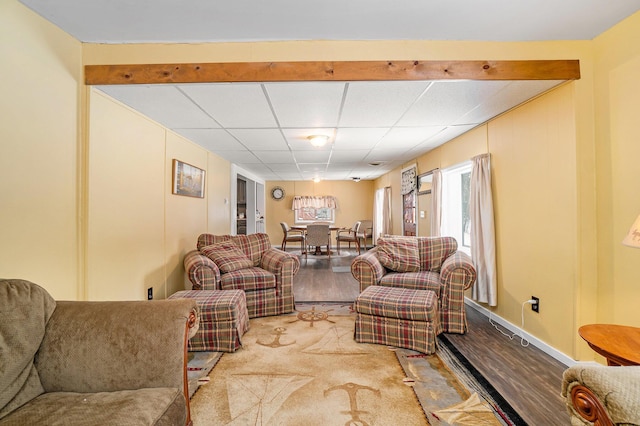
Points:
x=275, y=343
x=352, y=390
x=312, y=316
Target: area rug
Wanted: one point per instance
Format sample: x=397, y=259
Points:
x=307, y=369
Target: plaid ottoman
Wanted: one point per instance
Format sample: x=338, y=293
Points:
x=398, y=317
x=223, y=319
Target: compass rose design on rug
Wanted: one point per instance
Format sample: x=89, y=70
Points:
x=312, y=316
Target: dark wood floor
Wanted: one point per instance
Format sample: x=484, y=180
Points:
x=526, y=377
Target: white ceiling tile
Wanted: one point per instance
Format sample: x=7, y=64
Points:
x=379, y=104
x=348, y=156
x=446, y=101
x=274, y=156
x=312, y=156
x=261, y=139
x=513, y=93
x=233, y=105
x=309, y=104
x=312, y=166
x=162, y=103
x=400, y=138
x=239, y=157
x=358, y=138
x=212, y=139
x=283, y=167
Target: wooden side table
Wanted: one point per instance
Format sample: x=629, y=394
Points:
x=619, y=344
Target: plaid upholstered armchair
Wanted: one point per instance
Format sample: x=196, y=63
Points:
x=245, y=262
x=421, y=263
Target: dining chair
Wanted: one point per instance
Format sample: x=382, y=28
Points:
x=366, y=232
x=319, y=235
x=293, y=235
x=349, y=235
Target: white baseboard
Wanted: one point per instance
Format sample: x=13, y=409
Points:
x=544, y=347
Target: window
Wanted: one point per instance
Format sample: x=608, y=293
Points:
x=314, y=214
x=456, y=190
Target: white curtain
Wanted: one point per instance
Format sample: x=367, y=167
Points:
x=483, y=246
x=381, y=213
x=317, y=202
x=436, y=203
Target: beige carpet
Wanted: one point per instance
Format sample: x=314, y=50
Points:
x=306, y=369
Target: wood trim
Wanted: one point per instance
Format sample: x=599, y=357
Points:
x=331, y=71
x=588, y=406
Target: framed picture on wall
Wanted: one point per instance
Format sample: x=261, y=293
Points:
x=424, y=182
x=187, y=180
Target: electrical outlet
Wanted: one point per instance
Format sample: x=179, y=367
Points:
x=535, y=307
x=150, y=293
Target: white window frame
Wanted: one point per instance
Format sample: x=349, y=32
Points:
x=300, y=221
x=451, y=222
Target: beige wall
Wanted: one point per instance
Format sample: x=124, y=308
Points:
x=39, y=151
x=617, y=94
x=589, y=156
x=355, y=202
x=139, y=231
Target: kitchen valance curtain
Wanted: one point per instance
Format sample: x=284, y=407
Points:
x=316, y=202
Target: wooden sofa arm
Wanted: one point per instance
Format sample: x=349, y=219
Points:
x=202, y=272
x=601, y=395
x=367, y=269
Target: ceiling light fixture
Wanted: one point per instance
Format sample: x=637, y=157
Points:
x=318, y=140
x=316, y=179
x=356, y=179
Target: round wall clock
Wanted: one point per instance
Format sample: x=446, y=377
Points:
x=277, y=193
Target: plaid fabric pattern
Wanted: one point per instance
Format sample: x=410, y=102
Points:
x=399, y=254
x=263, y=303
x=208, y=239
x=227, y=256
x=248, y=279
x=202, y=272
x=223, y=319
x=456, y=276
x=367, y=269
x=452, y=274
x=434, y=250
x=264, y=296
x=400, y=303
x=423, y=280
x=398, y=317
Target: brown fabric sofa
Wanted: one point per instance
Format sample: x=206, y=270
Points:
x=421, y=263
x=265, y=273
x=599, y=395
x=92, y=363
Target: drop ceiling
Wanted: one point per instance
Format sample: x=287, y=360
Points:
x=263, y=127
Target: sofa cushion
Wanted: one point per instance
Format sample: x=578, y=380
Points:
x=24, y=313
x=253, y=245
x=248, y=279
x=152, y=406
x=422, y=280
x=399, y=254
x=434, y=250
x=227, y=256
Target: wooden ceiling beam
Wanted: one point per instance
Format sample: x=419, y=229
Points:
x=331, y=71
